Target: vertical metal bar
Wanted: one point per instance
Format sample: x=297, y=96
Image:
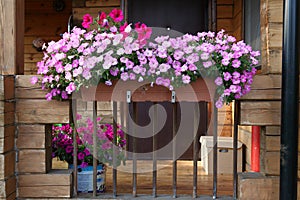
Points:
x=115, y=121
x=195, y=147
x=122, y=5
x=215, y=150
x=134, y=159
x=290, y=102
x=154, y=171
x=235, y=142
x=95, y=161
x=73, y=105
x=174, y=150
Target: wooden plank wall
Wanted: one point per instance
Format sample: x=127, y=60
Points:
x=33, y=115
x=42, y=21
x=271, y=35
x=7, y=138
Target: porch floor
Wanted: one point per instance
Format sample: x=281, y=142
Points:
x=164, y=182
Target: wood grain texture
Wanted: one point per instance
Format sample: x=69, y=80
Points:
x=25, y=90
x=266, y=188
x=32, y=161
x=224, y=2
x=53, y=178
x=32, y=111
x=275, y=11
x=102, y=3
x=7, y=37
x=275, y=35
x=260, y=113
x=45, y=192
x=7, y=165
x=8, y=188
x=224, y=11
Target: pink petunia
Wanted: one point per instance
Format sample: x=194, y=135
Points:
x=87, y=21
x=116, y=15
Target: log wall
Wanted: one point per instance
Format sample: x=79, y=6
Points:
x=42, y=21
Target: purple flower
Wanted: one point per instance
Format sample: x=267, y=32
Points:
x=225, y=62
x=236, y=63
x=235, y=88
x=227, y=76
x=64, y=95
x=69, y=149
x=124, y=76
x=219, y=103
x=186, y=79
x=87, y=152
x=71, y=87
x=218, y=81
x=34, y=80
x=84, y=164
x=80, y=156
x=207, y=64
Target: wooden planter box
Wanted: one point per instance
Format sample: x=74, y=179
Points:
x=200, y=90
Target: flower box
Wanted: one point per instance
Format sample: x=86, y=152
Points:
x=85, y=178
x=199, y=90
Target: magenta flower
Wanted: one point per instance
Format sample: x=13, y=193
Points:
x=87, y=21
x=116, y=15
x=80, y=156
x=84, y=164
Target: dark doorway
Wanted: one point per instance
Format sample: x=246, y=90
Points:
x=140, y=113
x=188, y=16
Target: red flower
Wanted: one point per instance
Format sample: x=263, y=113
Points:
x=116, y=15
x=102, y=16
x=122, y=28
x=87, y=21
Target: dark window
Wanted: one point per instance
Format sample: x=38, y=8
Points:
x=188, y=16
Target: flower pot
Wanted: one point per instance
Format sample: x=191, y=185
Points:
x=199, y=90
x=85, y=178
x=58, y=164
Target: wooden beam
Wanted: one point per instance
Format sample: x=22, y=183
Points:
x=8, y=188
x=32, y=161
x=260, y=113
x=45, y=192
x=32, y=111
x=20, y=29
x=8, y=31
x=7, y=165
x=264, y=187
x=54, y=178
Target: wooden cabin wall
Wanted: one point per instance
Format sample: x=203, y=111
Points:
x=42, y=21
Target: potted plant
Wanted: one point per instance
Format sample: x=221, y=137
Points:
x=117, y=51
x=62, y=148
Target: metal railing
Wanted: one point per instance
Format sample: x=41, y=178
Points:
x=129, y=128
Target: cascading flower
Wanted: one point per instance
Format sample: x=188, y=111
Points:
x=118, y=51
